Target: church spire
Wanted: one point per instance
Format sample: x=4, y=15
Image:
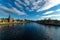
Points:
x=9, y=16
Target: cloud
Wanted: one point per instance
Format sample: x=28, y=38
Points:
x=21, y=3
x=27, y=2
x=19, y=6
x=49, y=12
x=38, y=4
x=51, y=16
x=3, y=12
x=11, y=10
x=49, y=4
x=58, y=10
x=31, y=5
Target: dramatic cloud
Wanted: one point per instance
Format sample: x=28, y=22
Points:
x=21, y=6
x=38, y=8
x=49, y=4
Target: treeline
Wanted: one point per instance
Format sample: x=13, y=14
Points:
x=49, y=22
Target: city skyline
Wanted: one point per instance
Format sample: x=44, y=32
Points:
x=30, y=9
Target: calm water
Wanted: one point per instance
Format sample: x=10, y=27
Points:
x=29, y=31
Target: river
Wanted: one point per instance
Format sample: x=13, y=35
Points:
x=29, y=31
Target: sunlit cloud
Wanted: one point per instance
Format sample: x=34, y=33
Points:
x=58, y=10
x=49, y=4
x=49, y=12
x=51, y=16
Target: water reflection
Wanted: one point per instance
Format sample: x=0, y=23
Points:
x=29, y=31
x=53, y=32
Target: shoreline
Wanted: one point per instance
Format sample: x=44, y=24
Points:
x=7, y=23
x=50, y=24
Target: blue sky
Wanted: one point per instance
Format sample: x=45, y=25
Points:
x=30, y=9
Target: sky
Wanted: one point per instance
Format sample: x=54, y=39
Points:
x=30, y=9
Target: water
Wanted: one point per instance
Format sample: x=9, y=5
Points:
x=29, y=31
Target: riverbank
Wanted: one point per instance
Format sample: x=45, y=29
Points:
x=7, y=23
x=49, y=22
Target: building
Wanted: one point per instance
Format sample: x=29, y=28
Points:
x=10, y=19
x=3, y=20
